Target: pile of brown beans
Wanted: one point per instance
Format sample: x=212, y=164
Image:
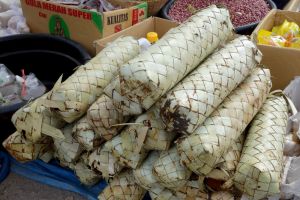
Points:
x=242, y=11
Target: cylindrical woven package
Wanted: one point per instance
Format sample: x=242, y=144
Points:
x=160, y=193
x=144, y=174
x=190, y=191
x=169, y=171
x=123, y=187
x=221, y=177
x=147, y=77
x=259, y=171
x=222, y=195
x=201, y=151
x=67, y=150
x=103, y=162
x=72, y=98
x=127, y=147
x=127, y=108
x=35, y=121
x=102, y=115
x=24, y=151
x=85, y=135
x=157, y=138
x=193, y=99
x=86, y=175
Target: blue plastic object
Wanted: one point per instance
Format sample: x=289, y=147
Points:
x=4, y=165
x=56, y=176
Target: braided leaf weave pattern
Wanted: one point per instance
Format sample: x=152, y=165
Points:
x=85, y=135
x=35, y=121
x=23, y=150
x=144, y=174
x=152, y=73
x=123, y=187
x=86, y=175
x=169, y=171
x=73, y=97
x=67, y=150
x=102, y=115
x=259, y=170
x=103, y=162
x=201, y=151
x=194, y=98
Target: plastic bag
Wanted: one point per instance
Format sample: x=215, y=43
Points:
x=6, y=76
x=268, y=38
x=288, y=30
x=291, y=179
x=291, y=175
x=68, y=2
x=34, y=87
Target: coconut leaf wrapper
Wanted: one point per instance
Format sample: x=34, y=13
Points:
x=202, y=150
x=127, y=147
x=157, y=137
x=72, y=98
x=169, y=171
x=190, y=191
x=258, y=173
x=103, y=162
x=85, y=174
x=193, y=99
x=222, y=195
x=67, y=150
x=221, y=178
x=84, y=133
x=103, y=115
x=35, y=121
x=122, y=187
x=150, y=75
x=144, y=174
x=23, y=150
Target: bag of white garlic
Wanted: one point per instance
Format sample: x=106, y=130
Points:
x=12, y=20
x=7, y=4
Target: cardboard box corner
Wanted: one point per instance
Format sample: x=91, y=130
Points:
x=156, y=24
x=284, y=63
x=81, y=25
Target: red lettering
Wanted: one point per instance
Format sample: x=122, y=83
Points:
x=135, y=16
x=70, y=11
x=89, y=16
x=43, y=15
x=45, y=6
x=79, y=14
x=33, y=3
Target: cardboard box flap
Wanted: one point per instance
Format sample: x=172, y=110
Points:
x=293, y=5
x=162, y=26
x=266, y=23
x=159, y=25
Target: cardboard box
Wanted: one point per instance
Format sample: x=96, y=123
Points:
x=140, y=30
x=284, y=63
x=81, y=25
x=293, y=5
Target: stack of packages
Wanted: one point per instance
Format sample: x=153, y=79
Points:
x=190, y=118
